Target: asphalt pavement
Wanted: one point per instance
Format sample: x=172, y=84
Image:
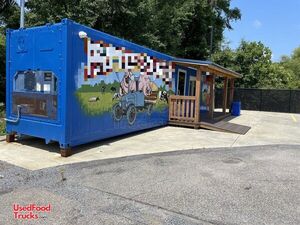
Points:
x=237, y=185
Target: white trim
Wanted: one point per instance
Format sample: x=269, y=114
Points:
x=193, y=68
x=185, y=76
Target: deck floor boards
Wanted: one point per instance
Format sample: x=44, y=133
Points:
x=216, y=125
x=219, y=126
x=226, y=127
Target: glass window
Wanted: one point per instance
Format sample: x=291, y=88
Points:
x=36, y=81
x=181, y=82
x=36, y=92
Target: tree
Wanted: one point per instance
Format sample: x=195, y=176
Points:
x=253, y=61
x=177, y=27
x=9, y=15
x=277, y=77
x=293, y=64
x=6, y=7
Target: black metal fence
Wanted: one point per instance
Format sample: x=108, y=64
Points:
x=264, y=99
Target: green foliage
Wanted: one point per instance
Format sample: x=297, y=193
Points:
x=253, y=61
x=2, y=122
x=177, y=27
x=292, y=64
x=9, y=16
x=277, y=77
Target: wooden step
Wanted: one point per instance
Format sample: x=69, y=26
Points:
x=221, y=126
x=226, y=127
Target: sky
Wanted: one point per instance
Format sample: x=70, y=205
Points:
x=276, y=23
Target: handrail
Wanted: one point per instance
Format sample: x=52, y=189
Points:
x=172, y=97
x=19, y=107
x=182, y=108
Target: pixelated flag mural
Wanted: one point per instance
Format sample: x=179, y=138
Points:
x=105, y=58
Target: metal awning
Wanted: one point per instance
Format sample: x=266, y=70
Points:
x=207, y=66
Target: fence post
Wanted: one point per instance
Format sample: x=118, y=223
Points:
x=260, y=100
x=290, y=102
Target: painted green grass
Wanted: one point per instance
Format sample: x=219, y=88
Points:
x=104, y=104
x=160, y=105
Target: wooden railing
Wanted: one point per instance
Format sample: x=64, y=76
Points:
x=182, y=108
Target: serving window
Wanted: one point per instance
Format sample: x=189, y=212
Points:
x=36, y=92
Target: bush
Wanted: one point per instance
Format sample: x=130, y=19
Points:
x=2, y=122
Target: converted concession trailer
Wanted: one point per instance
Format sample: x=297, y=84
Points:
x=72, y=84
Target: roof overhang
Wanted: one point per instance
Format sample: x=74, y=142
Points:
x=207, y=66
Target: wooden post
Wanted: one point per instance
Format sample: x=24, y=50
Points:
x=231, y=92
x=171, y=107
x=10, y=138
x=212, y=97
x=198, y=93
x=225, y=94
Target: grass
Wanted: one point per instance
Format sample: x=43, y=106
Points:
x=2, y=122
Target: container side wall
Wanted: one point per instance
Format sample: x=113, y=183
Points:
x=118, y=87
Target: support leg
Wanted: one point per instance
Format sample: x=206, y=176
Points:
x=10, y=138
x=65, y=152
x=225, y=95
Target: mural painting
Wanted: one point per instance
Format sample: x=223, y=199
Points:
x=121, y=82
x=205, y=93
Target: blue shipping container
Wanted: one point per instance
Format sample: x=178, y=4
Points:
x=71, y=84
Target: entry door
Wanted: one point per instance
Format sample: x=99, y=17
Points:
x=181, y=82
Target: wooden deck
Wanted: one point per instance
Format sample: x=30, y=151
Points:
x=222, y=126
x=185, y=110
x=219, y=123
